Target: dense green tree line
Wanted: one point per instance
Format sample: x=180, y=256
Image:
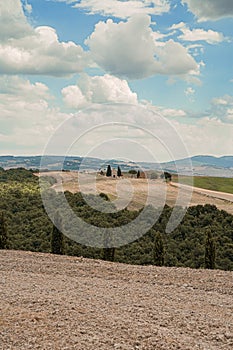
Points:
x=205, y=232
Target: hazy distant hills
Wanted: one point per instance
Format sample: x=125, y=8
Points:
x=221, y=162
x=201, y=165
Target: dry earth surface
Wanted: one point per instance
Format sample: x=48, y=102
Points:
x=133, y=193
x=57, y=302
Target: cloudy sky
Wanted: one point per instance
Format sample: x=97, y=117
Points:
x=173, y=58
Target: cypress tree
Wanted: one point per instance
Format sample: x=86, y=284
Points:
x=109, y=171
x=3, y=232
x=108, y=254
x=57, y=240
x=210, y=251
x=138, y=174
x=108, y=251
x=119, y=174
x=158, y=250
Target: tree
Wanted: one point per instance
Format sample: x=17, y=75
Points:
x=167, y=176
x=109, y=171
x=3, y=232
x=108, y=251
x=210, y=251
x=108, y=254
x=133, y=172
x=104, y=196
x=158, y=250
x=138, y=174
x=119, y=174
x=57, y=240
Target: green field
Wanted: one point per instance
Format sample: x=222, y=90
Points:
x=210, y=183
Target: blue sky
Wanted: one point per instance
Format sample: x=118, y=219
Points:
x=172, y=57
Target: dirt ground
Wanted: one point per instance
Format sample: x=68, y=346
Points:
x=135, y=193
x=64, y=303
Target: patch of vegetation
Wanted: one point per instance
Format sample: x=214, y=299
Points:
x=29, y=228
x=220, y=184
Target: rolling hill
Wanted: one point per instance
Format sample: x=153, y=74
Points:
x=201, y=165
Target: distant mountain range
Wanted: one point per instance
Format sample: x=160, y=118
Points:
x=201, y=165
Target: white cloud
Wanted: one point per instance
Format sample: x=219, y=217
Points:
x=198, y=34
x=189, y=91
x=121, y=8
x=196, y=50
x=34, y=51
x=221, y=108
x=163, y=111
x=13, y=23
x=120, y=52
x=14, y=86
x=206, y=136
x=26, y=118
x=220, y=101
x=210, y=36
x=210, y=9
x=171, y=112
x=73, y=97
x=177, y=26
x=98, y=89
x=27, y=7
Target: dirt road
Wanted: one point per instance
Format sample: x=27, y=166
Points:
x=208, y=193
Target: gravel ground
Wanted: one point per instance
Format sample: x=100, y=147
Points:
x=58, y=302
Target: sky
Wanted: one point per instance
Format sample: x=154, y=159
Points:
x=162, y=70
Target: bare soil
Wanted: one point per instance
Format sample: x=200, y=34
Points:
x=54, y=302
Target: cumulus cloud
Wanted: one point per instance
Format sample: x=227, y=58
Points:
x=198, y=34
x=120, y=52
x=26, y=118
x=34, y=51
x=98, y=89
x=14, y=86
x=13, y=23
x=121, y=8
x=210, y=9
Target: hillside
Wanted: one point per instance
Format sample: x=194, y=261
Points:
x=219, y=184
x=29, y=227
x=74, y=182
x=59, y=302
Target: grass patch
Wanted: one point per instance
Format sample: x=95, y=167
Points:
x=220, y=184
